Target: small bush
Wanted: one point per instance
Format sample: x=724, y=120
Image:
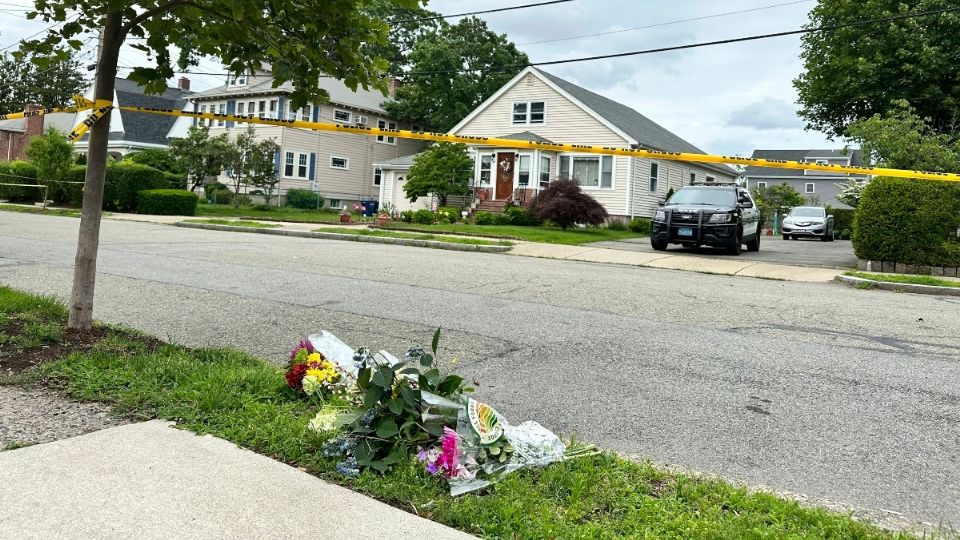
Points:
x=842, y=218
x=406, y=216
x=483, y=218
x=502, y=219
x=19, y=172
x=167, y=202
x=263, y=207
x=424, y=217
x=908, y=221
x=70, y=191
x=640, y=225
x=565, y=204
x=124, y=181
x=519, y=216
x=177, y=181
x=209, y=189
x=616, y=225
x=304, y=198
x=448, y=214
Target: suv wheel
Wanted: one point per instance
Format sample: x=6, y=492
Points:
x=754, y=245
x=657, y=246
x=737, y=247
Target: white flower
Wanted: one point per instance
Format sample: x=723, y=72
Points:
x=326, y=420
x=311, y=385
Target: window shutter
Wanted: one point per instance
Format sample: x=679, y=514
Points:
x=276, y=162
x=280, y=107
x=316, y=113
x=313, y=166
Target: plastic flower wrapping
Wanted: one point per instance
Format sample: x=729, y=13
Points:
x=454, y=436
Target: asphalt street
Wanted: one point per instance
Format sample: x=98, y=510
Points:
x=831, y=392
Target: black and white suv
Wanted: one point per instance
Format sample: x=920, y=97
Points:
x=716, y=216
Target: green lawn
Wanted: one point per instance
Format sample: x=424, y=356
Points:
x=230, y=394
x=550, y=235
x=281, y=213
x=908, y=279
x=412, y=236
x=235, y=223
x=69, y=212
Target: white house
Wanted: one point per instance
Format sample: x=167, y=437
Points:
x=538, y=106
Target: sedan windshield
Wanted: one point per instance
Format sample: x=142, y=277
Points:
x=808, y=211
x=704, y=197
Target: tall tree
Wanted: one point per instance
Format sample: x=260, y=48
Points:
x=301, y=40
x=52, y=154
x=236, y=161
x=407, y=27
x=901, y=139
x=854, y=73
x=199, y=155
x=450, y=76
x=22, y=82
x=442, y=170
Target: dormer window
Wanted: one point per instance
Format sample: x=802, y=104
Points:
x=237, y=80
x=529, y=113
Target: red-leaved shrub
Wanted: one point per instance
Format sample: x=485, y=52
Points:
x=564, y=204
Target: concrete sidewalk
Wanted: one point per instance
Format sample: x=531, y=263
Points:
x=727, y=266
x=150, y=480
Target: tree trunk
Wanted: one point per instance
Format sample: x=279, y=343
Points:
x=85, y=264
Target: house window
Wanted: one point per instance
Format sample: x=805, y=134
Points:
x=273, y=108
x=203, y=121
x=654, y=176
x=377, y=176
x=761, y=185
x=810, y=187
x=544, y=170
x=383, y=124
x=822, y=162
x=588, y=171
x=342, y=116
x=486, y=166
x=240, y=107
x=339, y=163
x=288, y=165
x=306, y=113
x=415, y=127
x=529, y=112
x=292, y=113
x=302, y=166
x=693, y=178
x=711, y=179
x=222, y=109
x=334, y=203
x=238, y=80
x=523, y=170
x=263, y=108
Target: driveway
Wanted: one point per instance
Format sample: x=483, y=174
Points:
x=773, y=249
x=817, y=389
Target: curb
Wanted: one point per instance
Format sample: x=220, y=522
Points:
x=900, y=287
x=352, y=238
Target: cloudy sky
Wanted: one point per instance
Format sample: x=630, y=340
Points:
x=726, y=99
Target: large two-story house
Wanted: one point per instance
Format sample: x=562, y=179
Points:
x=340, y=166
x=538, y=106
x=817, y=186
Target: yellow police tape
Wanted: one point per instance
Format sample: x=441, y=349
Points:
x=103, y=106
x=80, y=104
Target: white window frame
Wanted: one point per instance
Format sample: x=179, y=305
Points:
x=274, y=109
x=481, y=169
x=303, y=163
x=810, y=187
x=710, y=179
x=262, y=108
x=654, y=184
x=386, y=139
x=202, y=121
x=761, y=185
x=377, y=176
x=334, y=203
x=340, y=120
x=693, y=178
x=237, y=80
x=527, y=113
x=241, y=108
x=346, y=161
x=544, y=176
x=529, y=171
x=821, y=161
x=289, y=160
x=221, y=109
x=600, y=159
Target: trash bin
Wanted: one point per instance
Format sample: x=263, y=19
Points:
x=369, y=208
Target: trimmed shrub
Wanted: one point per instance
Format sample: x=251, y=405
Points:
x=211, y=188
x=73, y=192
x=167, y=202
x=565, y=204
x=424, y=217
x=263, y=207
x=502, y=219
x=483, y=218
x=124, y=181
x=304, y=198
x=177, y=181
x=842, y=218
x=19, y=172
x=519, y=216
x=616, y=225
x=908, y=221
x=640, y=225
x=406, y=216
x=448, y=214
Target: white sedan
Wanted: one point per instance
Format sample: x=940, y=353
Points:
x=811, y=221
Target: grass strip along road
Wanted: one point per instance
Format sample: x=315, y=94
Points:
x=235, y=396
x=235, y=223
x=412, y=236
x=907, y=279
x=552, y=235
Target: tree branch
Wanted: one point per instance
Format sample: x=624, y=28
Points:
x=156, y=10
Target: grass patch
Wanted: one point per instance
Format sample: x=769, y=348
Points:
x=909, y=279
x=235, y=396
x=413, y=236
x=17, y=444
x=234, y=223
x=281, y=213
x=550, y=235
x=69, y=212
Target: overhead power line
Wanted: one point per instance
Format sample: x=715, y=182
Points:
x=497, y=10
x=668, y=23
x=824, y=28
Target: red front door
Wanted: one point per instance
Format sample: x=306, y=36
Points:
x=504, y=175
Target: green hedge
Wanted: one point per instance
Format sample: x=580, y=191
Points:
x=177, y=181
x=167, y=202
x=842, y=218
x=19, y=172
x=123, y=182
x=304, y=198
x=640, y=225
x=908, y=221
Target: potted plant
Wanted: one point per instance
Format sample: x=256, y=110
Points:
x=345, y=216
x=382, y=218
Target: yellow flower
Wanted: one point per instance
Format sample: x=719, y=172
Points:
x=314, y=357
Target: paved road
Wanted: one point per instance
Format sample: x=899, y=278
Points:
x=827, y=391
x=773, y=249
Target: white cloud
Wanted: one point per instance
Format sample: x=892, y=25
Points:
x=768, y=113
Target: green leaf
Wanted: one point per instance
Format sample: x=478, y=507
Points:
x=450, y=385
x=503, y=458
x=387, y=428
x=426, y=360
x=364, y=453
x=363, y=378
x=383, y=378
x=348, y=417
x=494, y=450
x=434, y=428
x=372, y=396
x=436, y=341
x=380, y=466
x=396, y=456
x=395, y=405
x=433, y=377
x=410, y=396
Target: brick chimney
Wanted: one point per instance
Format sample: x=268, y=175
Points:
x=33, y=125
x=183, y=84
x=392, y=84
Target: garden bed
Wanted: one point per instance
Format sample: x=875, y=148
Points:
x=551, y=235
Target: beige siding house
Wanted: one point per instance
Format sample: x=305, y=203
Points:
x=538, y=106
x=340, y=166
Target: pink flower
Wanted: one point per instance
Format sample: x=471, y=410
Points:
x=302, y=345
x=449, y=459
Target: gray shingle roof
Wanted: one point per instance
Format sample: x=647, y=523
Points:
x=404, y=162
x=340, y=94
x=645, y=131
x=527, y=136
x=856, y=158
x=147, y=128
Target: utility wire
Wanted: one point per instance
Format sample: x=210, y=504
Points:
x=497, y=10
x=47, y=29
x=668, y=23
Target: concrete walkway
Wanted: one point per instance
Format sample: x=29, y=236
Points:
x=726, y=266
x=150, y=480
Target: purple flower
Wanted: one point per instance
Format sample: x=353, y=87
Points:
x=304, y=344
